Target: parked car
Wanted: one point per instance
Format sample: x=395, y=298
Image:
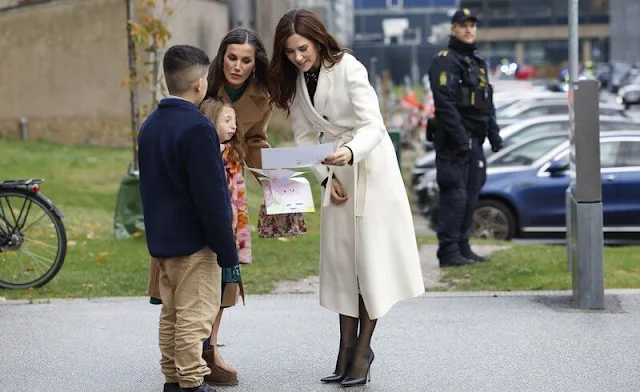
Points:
x=535, y=108
x=523, y=130
x=524, y=195
x=531, y=149
x=630, y=94
x=619, y=72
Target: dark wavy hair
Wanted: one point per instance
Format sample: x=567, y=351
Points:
x=239, y=36
x=282, y=72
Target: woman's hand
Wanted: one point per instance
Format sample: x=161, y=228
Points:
x=338, y=195
x=339, y=158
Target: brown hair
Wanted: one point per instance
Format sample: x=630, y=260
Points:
x=239, y=35
x=282, y=72
x=211, y=107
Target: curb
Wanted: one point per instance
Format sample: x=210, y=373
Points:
x=426, y=295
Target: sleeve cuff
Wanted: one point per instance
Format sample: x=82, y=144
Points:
x=351, y=160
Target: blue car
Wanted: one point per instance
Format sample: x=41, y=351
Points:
x=524, y=193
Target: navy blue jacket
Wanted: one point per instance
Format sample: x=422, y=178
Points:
x=185, y=197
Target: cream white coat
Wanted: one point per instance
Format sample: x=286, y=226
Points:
x=368, y=244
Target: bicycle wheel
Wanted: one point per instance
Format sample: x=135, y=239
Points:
x=33, y=241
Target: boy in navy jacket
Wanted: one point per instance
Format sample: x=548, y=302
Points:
x=187, y=215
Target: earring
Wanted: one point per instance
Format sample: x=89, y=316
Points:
x=254, y=73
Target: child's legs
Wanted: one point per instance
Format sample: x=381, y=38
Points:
x=196, y=299
x=167, y=323
x=153, y=284
x=216, y=328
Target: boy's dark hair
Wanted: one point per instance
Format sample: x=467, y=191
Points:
x=183, y=65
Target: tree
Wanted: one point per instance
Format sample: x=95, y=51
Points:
x=147, y=36
x=146, y=30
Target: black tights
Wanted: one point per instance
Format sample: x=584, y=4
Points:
x=355, y=348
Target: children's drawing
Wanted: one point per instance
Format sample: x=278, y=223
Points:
x=285, y=195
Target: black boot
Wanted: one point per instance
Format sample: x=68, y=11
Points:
x=454, y=260
x=171, y=387
x=359, y=368
x=476, y=257
x=348, y=338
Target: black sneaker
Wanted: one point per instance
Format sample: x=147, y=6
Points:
x=171, y=387
x=201, y=388
x=455, y=261
x=477, y=258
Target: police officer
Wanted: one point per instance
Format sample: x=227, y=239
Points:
x=464, y=116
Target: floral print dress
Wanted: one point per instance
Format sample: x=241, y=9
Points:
x=240, y=209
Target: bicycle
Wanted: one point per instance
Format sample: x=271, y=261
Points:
x=33, y=240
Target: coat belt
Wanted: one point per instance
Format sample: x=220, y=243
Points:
x=360, y=176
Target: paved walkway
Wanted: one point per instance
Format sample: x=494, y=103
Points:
x=437, y=342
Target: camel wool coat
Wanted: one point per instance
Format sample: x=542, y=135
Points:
x=368, y=244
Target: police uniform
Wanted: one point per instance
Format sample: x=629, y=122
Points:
x=465, y=115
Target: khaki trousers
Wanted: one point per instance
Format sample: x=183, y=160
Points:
x=190, y=292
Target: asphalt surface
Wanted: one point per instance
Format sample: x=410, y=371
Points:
x=437, y=342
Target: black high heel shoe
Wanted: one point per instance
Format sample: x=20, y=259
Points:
x=339, y=374
x=354, y=381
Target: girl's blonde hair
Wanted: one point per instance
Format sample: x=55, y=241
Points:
x=211, y=107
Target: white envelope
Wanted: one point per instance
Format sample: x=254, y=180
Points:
x=303, y=156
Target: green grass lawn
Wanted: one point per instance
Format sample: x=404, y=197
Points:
x=541, y=267
x=83, y=182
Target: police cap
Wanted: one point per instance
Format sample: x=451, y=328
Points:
x=463, y=15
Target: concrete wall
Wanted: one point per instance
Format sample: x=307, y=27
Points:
x=625, y=35
x=61, y=68
x=62, y=64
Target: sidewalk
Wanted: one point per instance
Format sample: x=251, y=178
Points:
x=437, y=342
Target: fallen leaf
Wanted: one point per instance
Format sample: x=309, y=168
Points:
x=137, y=234
x=101, y=260
x=103, y=254
x=71, y=243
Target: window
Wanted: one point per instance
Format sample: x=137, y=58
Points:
x=609, y=154
x=500, y=9
x=619, y=126
x=629, y=154
x=526, y=154
x=559, y=109
x=534, y=112
x=599, y=6
x=394, y=3
x=611, y=112
x=537, y=130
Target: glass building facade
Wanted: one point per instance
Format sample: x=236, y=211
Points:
x=535, y=31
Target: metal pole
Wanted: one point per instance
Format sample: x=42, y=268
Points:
x=573, y=77
x=24, y=128
x=573, y=40
x=372, y=71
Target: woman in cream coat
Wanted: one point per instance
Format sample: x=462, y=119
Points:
x=368, y=256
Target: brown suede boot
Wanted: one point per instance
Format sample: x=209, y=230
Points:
x=221, y=377
x=218, y=376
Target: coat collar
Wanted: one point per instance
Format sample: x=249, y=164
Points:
x=325, y=80
x=315, y=113
x=252, y=105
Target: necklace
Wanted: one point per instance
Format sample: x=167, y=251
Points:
x=311, y=76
